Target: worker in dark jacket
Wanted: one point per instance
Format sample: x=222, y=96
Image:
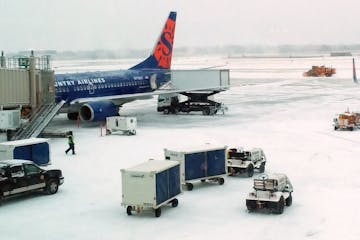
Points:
x=71, y=143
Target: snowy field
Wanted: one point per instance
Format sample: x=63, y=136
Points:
x=270, y=106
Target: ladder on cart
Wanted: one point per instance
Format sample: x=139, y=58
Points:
x=39, y=121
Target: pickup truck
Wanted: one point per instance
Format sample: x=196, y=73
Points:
x=21, y=176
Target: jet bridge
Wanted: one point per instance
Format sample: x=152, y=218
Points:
x=27, y=86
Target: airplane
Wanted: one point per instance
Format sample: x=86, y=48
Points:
x=93, y=96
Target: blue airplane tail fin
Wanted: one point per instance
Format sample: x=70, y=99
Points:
x=161, y=55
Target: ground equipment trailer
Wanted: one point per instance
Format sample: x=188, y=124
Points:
x=197, y=86
x=200, y=164
x=150, y=185
x=126, y=125
x=240, y=161
x=196, y=102
x=270, y=192
x=347, y=121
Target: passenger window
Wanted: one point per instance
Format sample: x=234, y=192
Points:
x=17, y=171
x=31, y=169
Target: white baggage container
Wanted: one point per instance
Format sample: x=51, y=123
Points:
x=127, y=125
x=150, y=185
x=10, y=119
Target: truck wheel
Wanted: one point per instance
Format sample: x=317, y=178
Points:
x=250, y=205
x=206, y=111
x=128, y=210
x=158, y=212
x=189, y=186
x=221, y=181
x=262, y=167
x=174, y=203
x=166, y=111
x=279, y=206
x=52, y=186
x=250, y=170
x=289, y=200
x=335, y=128
x=175, y=111
x=73, y=116
x=231, y=171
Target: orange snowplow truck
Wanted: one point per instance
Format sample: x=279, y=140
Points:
x=321, y=71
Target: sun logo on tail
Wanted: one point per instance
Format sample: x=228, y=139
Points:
x=163, y=49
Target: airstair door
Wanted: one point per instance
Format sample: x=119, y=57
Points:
x=224, y=78
x=91, y=88
x=153, y=84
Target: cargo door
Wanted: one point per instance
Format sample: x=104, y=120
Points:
x=195, y=165
x=23, y=152
x=224, y=78
x=174, y=181
x=40, y=153
x=216, y=162
x=162, y=187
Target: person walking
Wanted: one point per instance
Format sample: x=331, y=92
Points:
x=71, y=143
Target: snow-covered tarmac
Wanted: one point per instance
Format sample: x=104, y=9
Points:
x=270, y=106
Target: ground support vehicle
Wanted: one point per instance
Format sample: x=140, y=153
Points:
x=126, y=125
x=240, y=161
x=204, y=163
x=320, y=71
x=33, y=149
x=150, y=185
x=270, y=192
x=21, y=176
x=196, y=102
x=347, y=121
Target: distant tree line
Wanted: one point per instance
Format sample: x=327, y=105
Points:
x=228, y=50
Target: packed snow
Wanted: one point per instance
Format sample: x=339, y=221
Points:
x=271, y=106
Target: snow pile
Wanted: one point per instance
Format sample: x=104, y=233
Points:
x=270, y=106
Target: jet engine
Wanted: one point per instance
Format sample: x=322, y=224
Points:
x=98, y=111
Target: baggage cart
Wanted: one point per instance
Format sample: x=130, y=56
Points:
x=200, y=164
x=150, y=185
x=126, y=125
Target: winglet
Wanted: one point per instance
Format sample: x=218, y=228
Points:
x=161, y=55
x=354, y=72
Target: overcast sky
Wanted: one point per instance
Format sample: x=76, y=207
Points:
x=136, y=24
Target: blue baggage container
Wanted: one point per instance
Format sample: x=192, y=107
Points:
x=33, y=149
x=202, y=163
